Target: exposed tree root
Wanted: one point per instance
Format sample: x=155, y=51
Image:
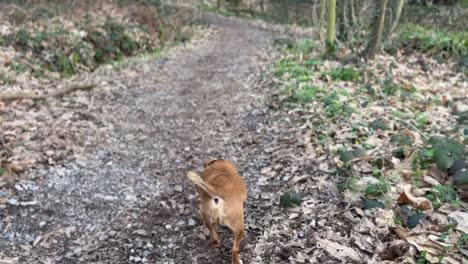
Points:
x=57, y=93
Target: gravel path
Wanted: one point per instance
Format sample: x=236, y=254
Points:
x=124, y=196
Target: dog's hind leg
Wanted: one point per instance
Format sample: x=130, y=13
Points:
x=211, y=226
x=238, y=235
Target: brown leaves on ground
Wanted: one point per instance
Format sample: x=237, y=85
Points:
x=376, y=119
x=420, y=203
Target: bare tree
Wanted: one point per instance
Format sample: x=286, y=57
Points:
x=397, y=8
x=331, y=27
x=375, y=40
x=323, y=6
x=352, y=13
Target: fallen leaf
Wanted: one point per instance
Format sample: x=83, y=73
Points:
x=338, y=251
x=420, y=203
x=401, y=232
x=431, y=181
x=462, y=219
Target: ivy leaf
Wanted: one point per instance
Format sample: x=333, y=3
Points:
x=458, y=165
x=285, y=200
x=346, y=156
x=413, y=220
x=446, y=151
x=296, y=198
x=376, y=189
x=443, y=159
x=289, y=198
x=378, y=124
x=371, y=203
x=460, y=177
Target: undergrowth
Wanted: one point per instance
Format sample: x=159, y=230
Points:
x=57, y=41
x=437, y=42
x=378, y=127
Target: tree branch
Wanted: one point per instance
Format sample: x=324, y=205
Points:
x=57, y=93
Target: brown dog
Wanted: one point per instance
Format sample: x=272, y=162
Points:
x=222, y=195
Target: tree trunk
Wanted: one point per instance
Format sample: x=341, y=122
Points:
x=345, y=30
x=323, y=6
x=352, y=13
x=397, y=8
x=331, y=27
x=375, y=40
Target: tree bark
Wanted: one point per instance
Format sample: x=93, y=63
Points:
x=323, y=6
x=352, y=13
x=375, y=40
x=331, y=27
x=397, y=8
x=344, y=25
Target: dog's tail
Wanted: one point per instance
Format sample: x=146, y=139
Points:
x=195, y=178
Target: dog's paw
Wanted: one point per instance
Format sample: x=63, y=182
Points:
x=239, y=262
x=216, y=243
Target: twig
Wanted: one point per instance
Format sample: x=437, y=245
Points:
x=58, y=93
x=412, y=126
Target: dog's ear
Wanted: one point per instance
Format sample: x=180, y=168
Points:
x=209, y=162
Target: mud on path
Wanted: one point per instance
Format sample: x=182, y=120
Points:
x=125, y=198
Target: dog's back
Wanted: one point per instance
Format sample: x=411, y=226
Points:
x=222, y=175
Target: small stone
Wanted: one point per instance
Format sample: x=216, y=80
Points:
x=137, y=259
x=37, y=240
x=138, y=244
x=285, y=178
x=103, y=237
x=77, y=252
x=12, y=201
x=168, y=226
x=322, y=222
x=313, y=223
x=19, y=187
x=146, y=253
x=131, y=197
x=144, y=260
x=191, y=222
x=178, y=188
x=300, y=234
x=42, y=223
x=149, y=245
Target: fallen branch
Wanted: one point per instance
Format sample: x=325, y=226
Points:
x=409, y=125
x=57, y=93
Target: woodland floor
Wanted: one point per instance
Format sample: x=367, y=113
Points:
x=120, y=193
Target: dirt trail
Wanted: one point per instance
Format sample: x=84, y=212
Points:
x=126, y=199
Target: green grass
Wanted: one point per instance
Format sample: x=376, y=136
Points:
x=305, y=94
x=433, y=41
x=348, y=74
